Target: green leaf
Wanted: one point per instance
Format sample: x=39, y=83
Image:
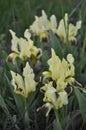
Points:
x=56, y=44
x=19, y=103
x=57, y=125
x=3, y=105
x=7, y=112
x=19, y=100
x=44, y=59
x=82, y=103
x=26, y=121
x=70, y=49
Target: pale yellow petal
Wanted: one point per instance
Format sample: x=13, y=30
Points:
x=14, y=41
x=27, y=34
x=70, y=58
x=24, y=49
x=46, y=86
x=18, y=83
x=30, y=84
x=12, y=57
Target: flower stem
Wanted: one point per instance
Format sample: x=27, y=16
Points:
x=57, y=123
x=56, y=114
x=26, y=120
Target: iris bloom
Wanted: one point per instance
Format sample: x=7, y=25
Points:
x=53, y=98
x=67, y=31
x=25, y=84
x=62, y=71
x=50, y=94
x=23, y=47
x=42, y=25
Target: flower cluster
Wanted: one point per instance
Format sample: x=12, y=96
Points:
x=66, y=32
x=60, y=74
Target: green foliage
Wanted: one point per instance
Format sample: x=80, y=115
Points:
x=81, y=100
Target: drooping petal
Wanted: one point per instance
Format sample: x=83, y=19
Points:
x=18, y=83
x=45, y=109
x=51, y=97
x=62, y=99
x=12, y=57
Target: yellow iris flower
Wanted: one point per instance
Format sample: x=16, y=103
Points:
x=25, y=84
x=53, y=98
x=23, y=47
x=50, y=94
x=67, y=31
x=41, y=25
x=62, y=71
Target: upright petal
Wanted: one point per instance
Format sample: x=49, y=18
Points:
x=30, y=84
x=14, y=41
x=27, y=34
